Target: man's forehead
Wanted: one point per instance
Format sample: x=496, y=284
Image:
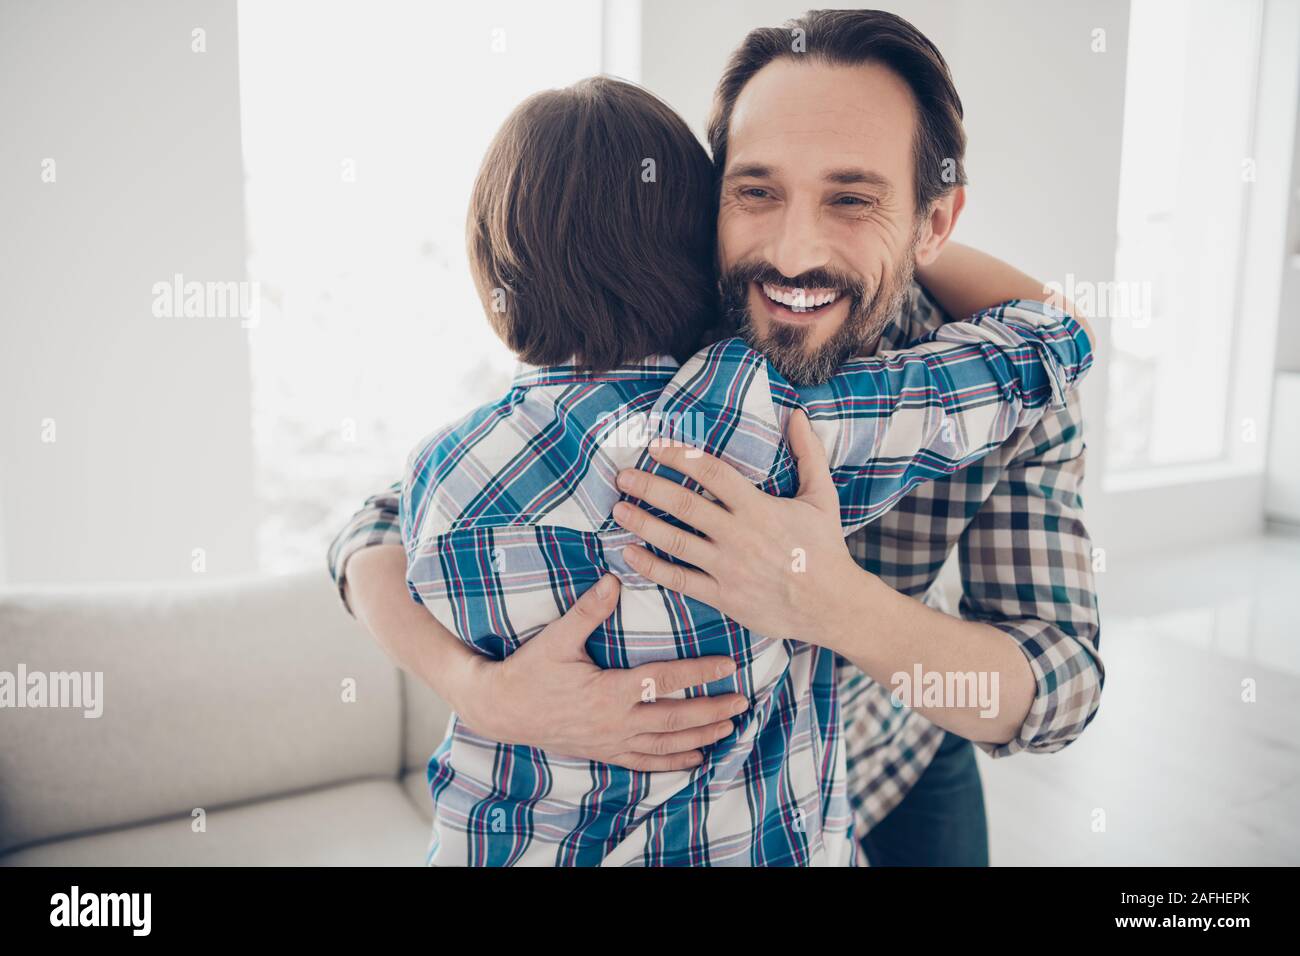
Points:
x=835, y=114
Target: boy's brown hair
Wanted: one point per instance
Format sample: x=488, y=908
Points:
x=591, y=228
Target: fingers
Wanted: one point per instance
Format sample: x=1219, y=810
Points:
x=698, y=714
x=672, y=576
x=570, y=632
x=669, y=677
x=679, y=501
x=682, y=741
x=666, y=537
x=815, y=482
x=649, y=763
x=722, y=481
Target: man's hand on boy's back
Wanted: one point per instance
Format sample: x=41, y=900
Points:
x=549, y=693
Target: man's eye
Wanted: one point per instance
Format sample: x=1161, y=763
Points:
x=754, y=192
x=853, y=201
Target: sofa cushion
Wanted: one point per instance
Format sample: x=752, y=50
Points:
x=426, y=723
x=212, y=694
x=371, y=823
x=416, y=785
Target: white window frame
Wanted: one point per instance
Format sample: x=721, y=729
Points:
x=1258, y=278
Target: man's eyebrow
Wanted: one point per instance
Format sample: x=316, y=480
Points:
x=749, y=171
x=851, y=176
x=845, y=176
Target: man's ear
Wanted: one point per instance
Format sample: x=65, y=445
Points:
x=938, y=224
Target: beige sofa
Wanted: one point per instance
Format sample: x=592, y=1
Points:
x=244, y=722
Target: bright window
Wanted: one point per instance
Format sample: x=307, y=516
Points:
x=363, y=127
x=1187, y=170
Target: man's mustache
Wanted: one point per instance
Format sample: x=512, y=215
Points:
x=757, y=270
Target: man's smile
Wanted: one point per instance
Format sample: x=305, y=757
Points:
x=797, y=305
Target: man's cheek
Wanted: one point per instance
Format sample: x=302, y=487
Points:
x=875, y=277
x=738, y=237
x=730, y=250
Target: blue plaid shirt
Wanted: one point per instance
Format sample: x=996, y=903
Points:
x=506, y=520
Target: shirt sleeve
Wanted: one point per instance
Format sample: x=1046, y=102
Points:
x=1027, y=569
x=891, y=421
x=377, y=522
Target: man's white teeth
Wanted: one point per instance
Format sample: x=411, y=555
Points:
x=800, y=300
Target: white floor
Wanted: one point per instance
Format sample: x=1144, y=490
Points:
x=1176, y=768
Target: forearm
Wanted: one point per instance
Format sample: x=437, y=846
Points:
x=965, y=281
x=408, y=633
x=929, y=404
x=549, y=694
x=903, y=634
x=375, y=524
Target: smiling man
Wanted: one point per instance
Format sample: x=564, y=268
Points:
x=817, y=226
x=839, y=145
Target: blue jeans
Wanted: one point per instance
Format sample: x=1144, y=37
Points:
x=941, y=820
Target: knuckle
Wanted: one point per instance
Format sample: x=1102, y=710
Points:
x=685, y=503
x=664, y=684
x=651, y=567
x=676, y=578
x=672, y=721
x=635, y=761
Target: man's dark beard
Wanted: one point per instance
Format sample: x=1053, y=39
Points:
x=785, y=346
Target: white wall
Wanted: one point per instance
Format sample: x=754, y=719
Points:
x=1282, y=482
x=1288, y=333
x=152, y=456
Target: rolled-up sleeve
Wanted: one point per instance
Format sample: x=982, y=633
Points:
x=378, y=522
x=1027, y=569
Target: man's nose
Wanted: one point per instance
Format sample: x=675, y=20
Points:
x=799, y=244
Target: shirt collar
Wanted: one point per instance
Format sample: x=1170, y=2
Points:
x=570, y=373
x=919, y=316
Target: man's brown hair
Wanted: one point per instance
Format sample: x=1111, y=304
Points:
x=591, y=228
x=852, y=38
